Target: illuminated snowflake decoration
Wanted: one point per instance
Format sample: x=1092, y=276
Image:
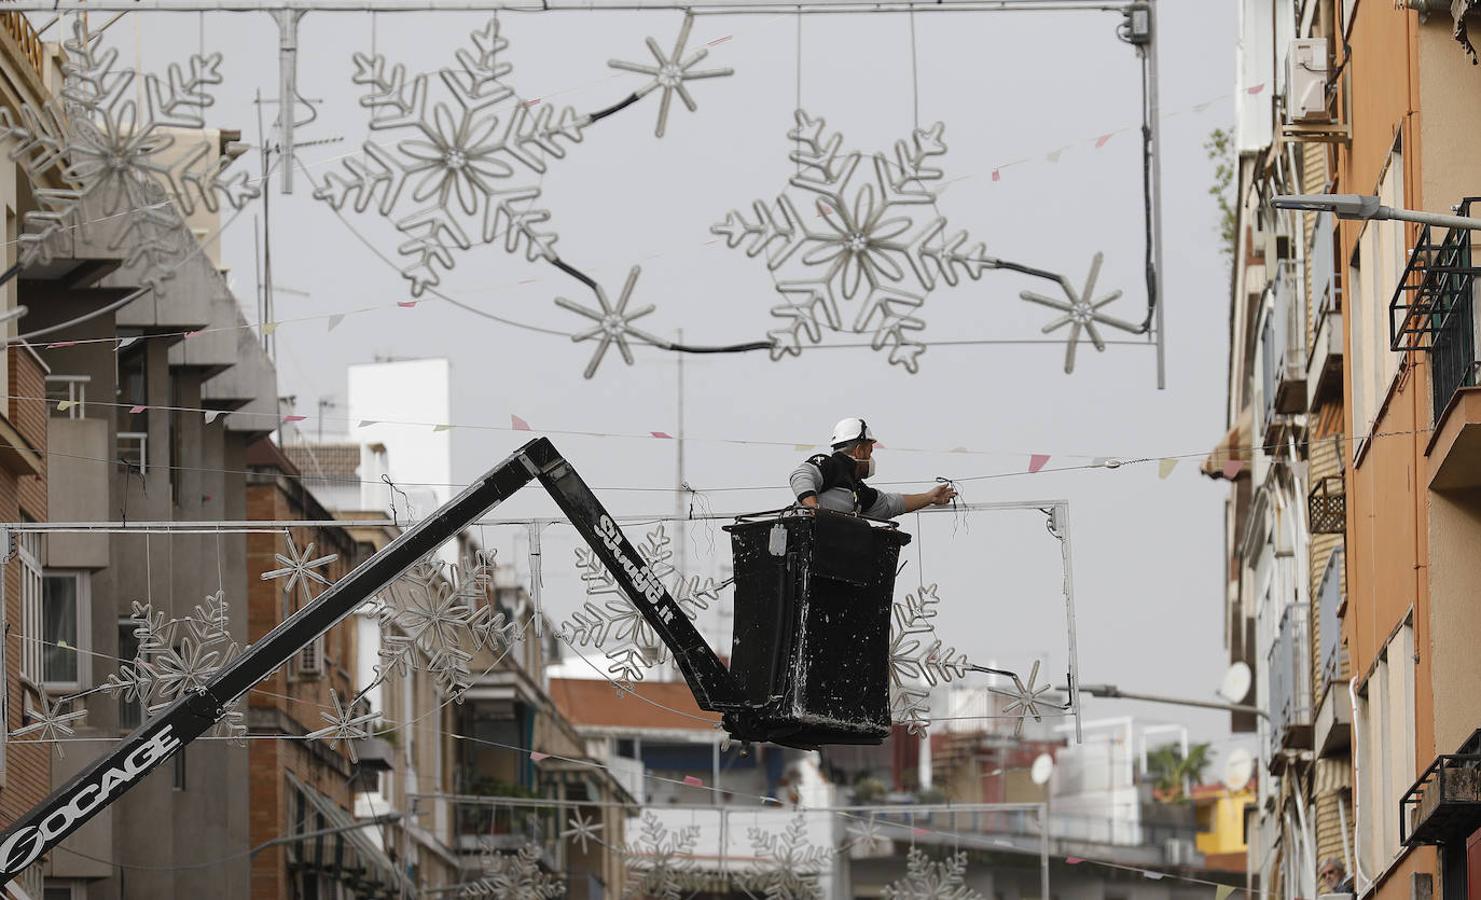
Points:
x=582, y=830
x=660, y=861
x=1082, y=313
x=437, y=616
x=867, y=835
x=514, y=876
x=49, y=723
x=670, y=71
x=297, y=569
x=789, y=864
x=919, y=660
x=178, y=657
x=866, y=238
x=611, y=622
x=345, y=724
x=465, y=169
x=928, y=879
x=1026, y=700
x=122, y=160
x=613, y=323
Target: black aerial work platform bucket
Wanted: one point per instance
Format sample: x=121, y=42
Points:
x=810, y=654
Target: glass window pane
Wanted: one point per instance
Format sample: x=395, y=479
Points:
x=59, y=628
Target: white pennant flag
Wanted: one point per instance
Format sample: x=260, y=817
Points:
x=212, y=415
x=334, y=321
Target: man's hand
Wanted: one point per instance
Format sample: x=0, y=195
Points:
x=811, y=502
x=941, y=494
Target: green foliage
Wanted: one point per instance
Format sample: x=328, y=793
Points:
x=1220, y=149
x=1170, y=770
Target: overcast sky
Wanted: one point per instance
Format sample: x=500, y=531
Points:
x=1008, y=86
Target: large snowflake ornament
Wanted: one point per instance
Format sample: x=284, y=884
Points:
x=345, y=724
x=437, y=617
x=670, y=71
x=177, y=657
x=919, y=660
x=611, y=623
x=1082, y=313
x=789, y=865
x=928, y=879
x=49, y=723
x=659, y=861
x=515, y=876
x=464, y=169
x=582, y=830
x=1026, y=700
x=298, y=569
x=144, y=162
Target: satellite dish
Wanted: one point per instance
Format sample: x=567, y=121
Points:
x=1042, y=769
x=1239, y=770
x=1236, y=684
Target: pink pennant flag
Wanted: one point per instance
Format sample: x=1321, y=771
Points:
x=997, y=175
x=537, y=756
x=693, y=781
x=190, y=334
x=59, y=345
x=718, y=41
x=1101, y=141
x=662, y=434
x=1232, y=468
x=519, y=424
x=406, y=304
x=1255, y=90
x=135, y=410
x=1037, y=461
x=287, y=419
x=919, y=832
x=1072, y=860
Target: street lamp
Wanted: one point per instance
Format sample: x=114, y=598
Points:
x=1111, y=691
x=1365, y=207
x=389, y=818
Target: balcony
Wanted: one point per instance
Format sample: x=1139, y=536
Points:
x=1431, y=310
x=1332, y=725
x=1444, y=805
x=1283, y=356
x=1326, y=506
x=1324, y=360
x=1290, y=683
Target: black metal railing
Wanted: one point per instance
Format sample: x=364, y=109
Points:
x=1431, y=308
x=1326, y=506
x=1444, y=803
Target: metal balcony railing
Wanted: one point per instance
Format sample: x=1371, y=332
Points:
x=19, y=28
x=1290, y=681
x=1444, y=804
x=1432, y=309
x=66, y=395
x=1326, y=506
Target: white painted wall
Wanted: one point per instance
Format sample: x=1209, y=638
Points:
x=407, y=399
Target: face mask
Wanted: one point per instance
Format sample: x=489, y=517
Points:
x=865, y=467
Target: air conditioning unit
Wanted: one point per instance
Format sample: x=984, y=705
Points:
x=311, y=659
x=1306, y=82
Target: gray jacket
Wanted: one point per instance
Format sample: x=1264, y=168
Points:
x=833, y=481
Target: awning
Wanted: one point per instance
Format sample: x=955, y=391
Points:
x=358, y=861
x=1230, y=458
x=1331, y=776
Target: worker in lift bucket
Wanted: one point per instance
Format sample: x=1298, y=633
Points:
x=836, y=481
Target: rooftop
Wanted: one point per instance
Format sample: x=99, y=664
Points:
x=656, y=705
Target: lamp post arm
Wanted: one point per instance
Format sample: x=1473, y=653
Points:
x=1110, y=691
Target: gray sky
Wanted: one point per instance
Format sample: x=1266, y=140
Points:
x=1148, y=567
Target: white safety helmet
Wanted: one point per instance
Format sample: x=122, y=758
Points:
x=849, y=431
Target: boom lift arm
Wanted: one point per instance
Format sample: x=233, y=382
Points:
x=93, y=789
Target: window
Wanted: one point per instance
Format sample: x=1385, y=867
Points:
x=1384, y=728
x=1376, y=267
x=130, y=712
x=29, y=558
x=58, y=889
x=64, y=632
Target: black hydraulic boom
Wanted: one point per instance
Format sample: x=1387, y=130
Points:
x=94, y=788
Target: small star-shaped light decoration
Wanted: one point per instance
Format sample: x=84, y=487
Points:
x=866, y=834
x=297, y=568
x=581, y=830
x=344, y=725
x=614, y=323
x=49, y=723
x=1028, y=700
x=1081, y=312
x=670, y=72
